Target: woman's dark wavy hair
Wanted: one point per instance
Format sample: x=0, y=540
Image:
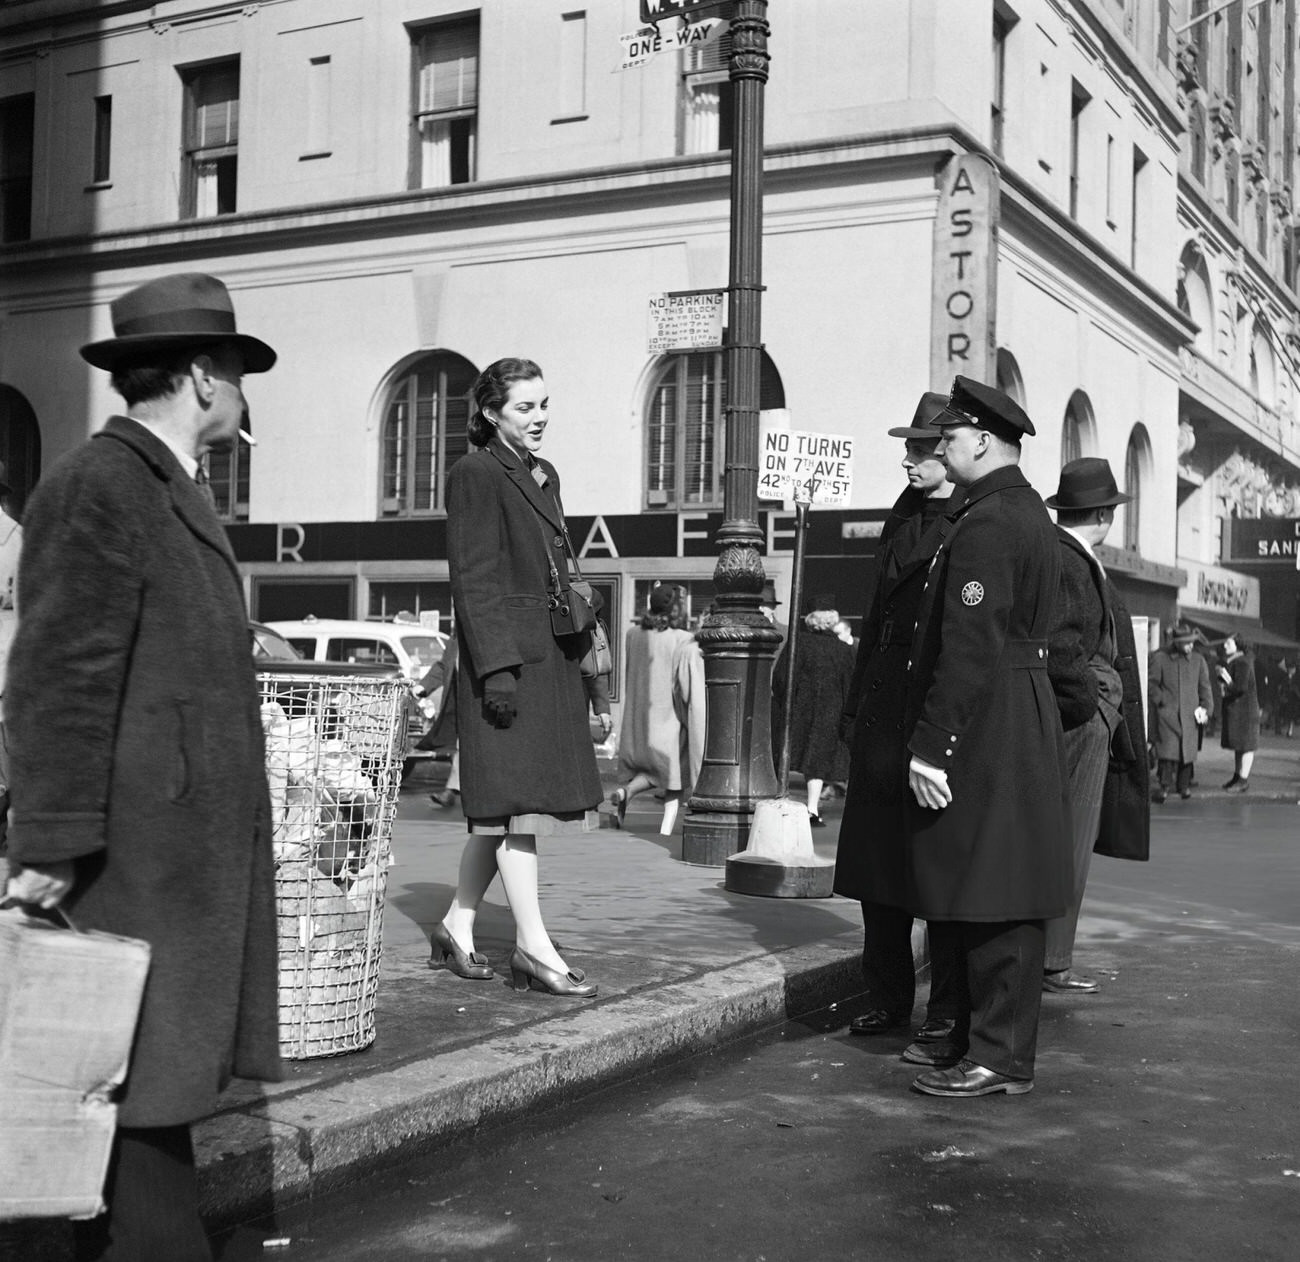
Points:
x=492, y=389
x=674, y=619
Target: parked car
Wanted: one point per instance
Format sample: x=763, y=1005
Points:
x=414, y=648
x=273, y=654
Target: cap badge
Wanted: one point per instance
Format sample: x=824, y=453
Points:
x=972, y=593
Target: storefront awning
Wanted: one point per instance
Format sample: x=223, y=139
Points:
x=1251, y=632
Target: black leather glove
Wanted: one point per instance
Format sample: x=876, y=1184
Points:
x=499, y=697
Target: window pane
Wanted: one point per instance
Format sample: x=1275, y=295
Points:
x=703, y=406
x=387, y=599
x=424, y=433
x=216, y=108
x=448, y=59
x=662, y=455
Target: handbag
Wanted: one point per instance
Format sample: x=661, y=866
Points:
x=598, y=659
x=568, y=602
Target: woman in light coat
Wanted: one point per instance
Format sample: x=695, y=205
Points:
x=650, y=739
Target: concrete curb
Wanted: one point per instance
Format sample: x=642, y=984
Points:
x=289, y=1148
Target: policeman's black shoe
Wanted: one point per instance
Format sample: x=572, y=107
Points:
x=939, y=1055
x=1065, y=982
x=878, y=1021
x=933, y=1029
x=966, y=1078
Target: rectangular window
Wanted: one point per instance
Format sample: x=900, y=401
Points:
x=572, y=74
x=17, y=141
x=101, y=165
x=388, y=598
x=1110, y=180
x=1078, y=101
x=318, y=108
x=1000, y=30
x=211, y=140
x=444, y=104
x=708, y=96
x=1140, y=181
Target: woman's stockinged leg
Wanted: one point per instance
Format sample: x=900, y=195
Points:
x=478, y=868
x=516, y=860
x=815, y=796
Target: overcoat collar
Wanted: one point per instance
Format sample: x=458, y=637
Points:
x=544, y=502
x=990, y=484
x=188, y=502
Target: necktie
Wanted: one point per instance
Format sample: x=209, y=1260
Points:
x=201, y=478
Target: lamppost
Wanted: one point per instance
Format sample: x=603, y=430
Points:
x=738, y=642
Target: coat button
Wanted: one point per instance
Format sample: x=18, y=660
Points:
x=558, y=541
x=875, y=683
x=871, y=722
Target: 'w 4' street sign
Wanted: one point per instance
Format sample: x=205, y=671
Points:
x=657, y=10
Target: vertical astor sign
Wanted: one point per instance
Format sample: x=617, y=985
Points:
x=963, y=309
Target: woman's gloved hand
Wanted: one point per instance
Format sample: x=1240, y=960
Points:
x=499, y=696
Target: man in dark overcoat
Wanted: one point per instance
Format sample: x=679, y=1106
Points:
x=1179, y=704
x=1089, y=691
x=988, y=845
x=140, y=798
x=869, y=862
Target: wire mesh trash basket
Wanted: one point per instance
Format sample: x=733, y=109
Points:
x=334, y=750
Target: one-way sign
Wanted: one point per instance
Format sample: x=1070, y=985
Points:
x=657, y=10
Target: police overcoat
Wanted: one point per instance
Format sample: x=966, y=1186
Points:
x=869, y=861
x=501, y=526
x=1176, y=684
x=134, y=729
x=980, y=705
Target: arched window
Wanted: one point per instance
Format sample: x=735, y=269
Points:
x=1009, y=380
x=1194, y=296
x=684, y=428
x=1137, y=466
x=20, y=447
x=1263, y=367
x=1078, y=430
x=425, y=419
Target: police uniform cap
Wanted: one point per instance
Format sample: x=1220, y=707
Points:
x=973, y=403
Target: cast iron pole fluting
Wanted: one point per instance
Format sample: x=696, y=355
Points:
x=738, y=642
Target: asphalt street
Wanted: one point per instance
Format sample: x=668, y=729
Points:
x=1163, y=1124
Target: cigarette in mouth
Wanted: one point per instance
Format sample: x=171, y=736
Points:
x=248, y=438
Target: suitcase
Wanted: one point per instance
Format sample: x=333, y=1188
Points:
x=69, y=1002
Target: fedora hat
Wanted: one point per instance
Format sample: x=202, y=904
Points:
x=169, y=314
x=1181, y=633
x=922, y=426
x=1087, y=483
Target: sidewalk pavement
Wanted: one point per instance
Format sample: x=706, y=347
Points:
x=682, y=965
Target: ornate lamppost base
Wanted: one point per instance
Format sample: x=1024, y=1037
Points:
x=711, y=837
x=770, y=878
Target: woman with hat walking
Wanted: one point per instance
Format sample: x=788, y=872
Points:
x=650, y=739
x=1179, y=704
x=528, y=769
x=1240, y=711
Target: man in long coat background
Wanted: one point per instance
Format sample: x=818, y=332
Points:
x=140, y=800
x=988, y=845
x=1179, y=705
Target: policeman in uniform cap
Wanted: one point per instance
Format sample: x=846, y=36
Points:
x=987, y=849
x=869, y=863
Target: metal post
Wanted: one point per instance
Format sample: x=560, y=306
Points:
x=738, y=642
x=792, y=637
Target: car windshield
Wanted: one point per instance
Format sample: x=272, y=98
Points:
x=267, y=643
x=423, y=650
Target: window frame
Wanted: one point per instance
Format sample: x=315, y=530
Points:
x=17, y=183
x=398, y=506
x=460, y=113
x=193, y=153
x=704, y=66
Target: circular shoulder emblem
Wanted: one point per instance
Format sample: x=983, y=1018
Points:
x=972, y=593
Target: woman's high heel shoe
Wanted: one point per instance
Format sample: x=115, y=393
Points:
x=447, y=952
x=618, y=799
x=527, y=974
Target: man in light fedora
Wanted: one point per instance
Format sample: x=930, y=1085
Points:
x=139, y=791
x=1083, y=659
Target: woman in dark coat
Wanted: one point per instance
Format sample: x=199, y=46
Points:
x=528, y=768
x=823, y=672
x=1240, y=712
